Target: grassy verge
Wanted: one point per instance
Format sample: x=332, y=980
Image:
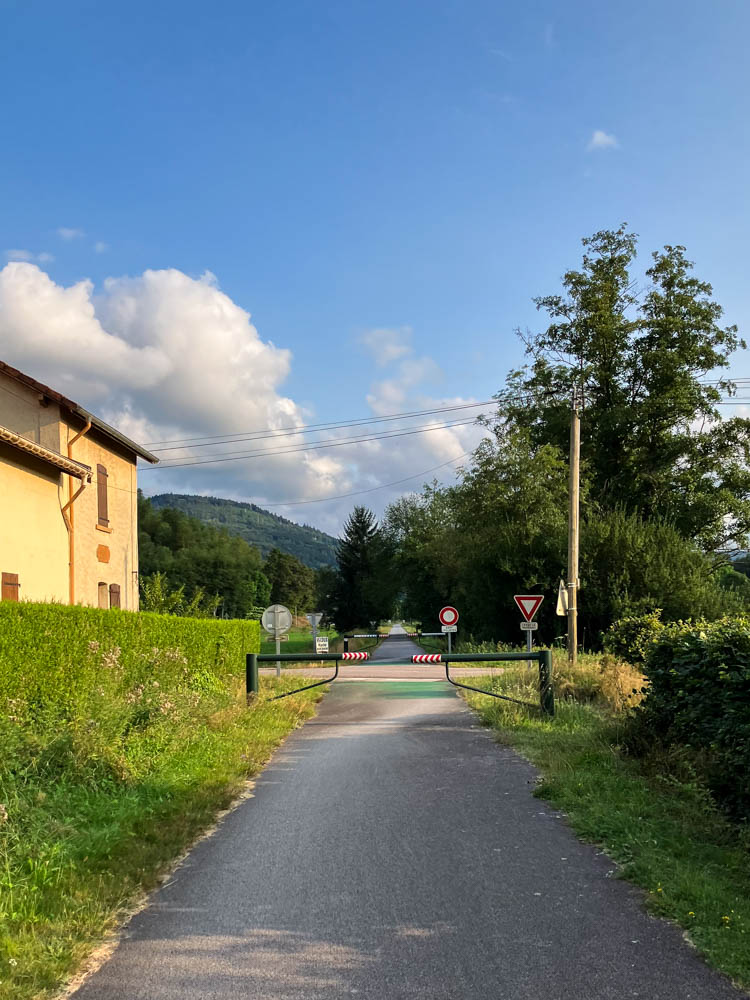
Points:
x=299, y=641
x=652, y=816
x=78, y=841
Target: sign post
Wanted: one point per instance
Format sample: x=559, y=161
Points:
x=449, y=622
x=277, y=620
x=314, y=619
x=528, y=605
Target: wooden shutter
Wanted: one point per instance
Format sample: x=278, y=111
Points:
x=101, y=495
x=11, y=587
x=103, y=595
x=114, y=595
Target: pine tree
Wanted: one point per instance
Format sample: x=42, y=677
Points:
x=365, y=587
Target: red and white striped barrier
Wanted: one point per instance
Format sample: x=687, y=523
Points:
x=355, y=656
x=427, y=658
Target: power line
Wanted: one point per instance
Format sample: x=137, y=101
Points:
x=270, y=432
x=337, y=443
x=317, y=446
x=372, y=489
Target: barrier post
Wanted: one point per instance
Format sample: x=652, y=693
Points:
x=346, y=643
x=546, y=692
x=251, y=677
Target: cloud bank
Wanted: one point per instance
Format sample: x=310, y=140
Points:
x=165, y=357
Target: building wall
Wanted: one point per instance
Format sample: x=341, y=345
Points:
x=33, y=536
x=105, y=554
x=22, y=410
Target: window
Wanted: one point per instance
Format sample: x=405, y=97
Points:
x=103, y=595
x=114, y=595
x=101, y=495
x=11, y=587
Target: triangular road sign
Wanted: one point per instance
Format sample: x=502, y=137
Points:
x=528, y=604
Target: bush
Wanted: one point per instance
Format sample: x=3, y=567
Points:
x=100, y=693
x=52, y=655
x=630, y=638
x=698, y=696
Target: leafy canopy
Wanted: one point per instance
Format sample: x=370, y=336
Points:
x=652, y=440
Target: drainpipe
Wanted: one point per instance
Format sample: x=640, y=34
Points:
x=67, y=513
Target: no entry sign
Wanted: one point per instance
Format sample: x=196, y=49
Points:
x=528, y=604
x=448, y=616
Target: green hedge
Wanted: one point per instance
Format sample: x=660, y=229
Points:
x=51, y=655
x=630, y=638
x=698, y=696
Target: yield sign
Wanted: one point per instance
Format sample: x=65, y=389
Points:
x=528, y=604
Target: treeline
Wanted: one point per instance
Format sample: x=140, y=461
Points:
x=665, y=486
x=258, y=527
x=190, y=568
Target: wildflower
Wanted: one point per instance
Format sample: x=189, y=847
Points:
x=725, y=920
x=3, y=814
x=691, y=913
x=93, y=646
x=13, y=961
x=111, y=658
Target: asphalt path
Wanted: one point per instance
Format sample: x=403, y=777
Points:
x=394, y=647
x=392, y=850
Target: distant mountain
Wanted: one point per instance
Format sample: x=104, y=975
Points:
x=257, y=526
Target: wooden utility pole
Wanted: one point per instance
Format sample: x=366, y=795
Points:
x=573, y=500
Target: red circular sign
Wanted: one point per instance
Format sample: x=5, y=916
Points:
x=448, y=616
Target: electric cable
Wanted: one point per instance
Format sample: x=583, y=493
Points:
x=316, y=446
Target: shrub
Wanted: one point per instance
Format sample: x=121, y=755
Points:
x=698, y=696
x=53, y=658
x=630, y=638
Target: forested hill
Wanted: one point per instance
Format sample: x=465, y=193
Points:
x=257, y=526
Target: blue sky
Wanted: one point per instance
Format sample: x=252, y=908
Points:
x=341, y=167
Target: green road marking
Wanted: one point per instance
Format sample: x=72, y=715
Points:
x=400, y=689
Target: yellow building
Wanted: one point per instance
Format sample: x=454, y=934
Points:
x=68, y=500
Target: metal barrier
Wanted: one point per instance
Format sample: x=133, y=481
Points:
x=542, y=656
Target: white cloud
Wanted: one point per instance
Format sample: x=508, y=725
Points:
x=70, y=234
x=393, y=395
x=101, y=247
x=164, y=356
x=27, y=255
x=601, y=140
x=55, y=331
x=387, y=345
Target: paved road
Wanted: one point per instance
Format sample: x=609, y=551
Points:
x=392, y=850
x=396, y=648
